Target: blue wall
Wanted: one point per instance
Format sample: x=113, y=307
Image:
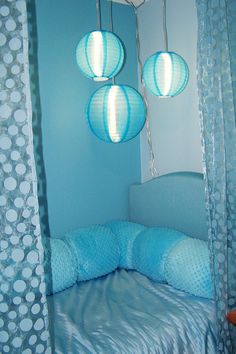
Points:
x=87, y=180
x=175, y=123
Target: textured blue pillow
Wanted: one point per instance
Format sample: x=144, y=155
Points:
x=60, y=266
x=187, y=268
x=96, y=250
x=125, y=233
x=164, y=255
x=151, y=248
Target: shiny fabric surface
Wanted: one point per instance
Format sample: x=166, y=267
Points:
x=23, y=319
x=125, y=312
x=216, y=69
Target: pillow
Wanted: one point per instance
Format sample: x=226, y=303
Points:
x=96, y=251
x=164, y=255
x=125, y=233
x=187, y=268
x=151, y=248
x=60, y=266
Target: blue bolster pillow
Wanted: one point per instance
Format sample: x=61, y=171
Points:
x=151, y=248
x=96, y=251
x=164, y=255
x=126, y=233
x=187, y=268
x=60, y=265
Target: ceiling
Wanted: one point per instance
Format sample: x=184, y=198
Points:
x=135, y=2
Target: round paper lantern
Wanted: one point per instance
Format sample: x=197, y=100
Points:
x=165, y=74
x=100, y=55
x=116, y=113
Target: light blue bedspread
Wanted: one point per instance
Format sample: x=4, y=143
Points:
x=127, y=313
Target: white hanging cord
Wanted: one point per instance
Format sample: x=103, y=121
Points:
x=98, y=6
x=111, y=29
x=111, y=15
x=152, y=162
x=165, y=27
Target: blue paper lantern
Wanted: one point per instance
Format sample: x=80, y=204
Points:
x=165, y=74
x=116, y=113
x=100, y=55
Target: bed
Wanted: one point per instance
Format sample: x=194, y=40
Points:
x=127, y=312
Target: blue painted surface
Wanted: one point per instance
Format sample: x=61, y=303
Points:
x=176, y=201
x=87, y=179
x=175, y=123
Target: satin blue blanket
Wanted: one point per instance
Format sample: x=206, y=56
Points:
x=127, y=313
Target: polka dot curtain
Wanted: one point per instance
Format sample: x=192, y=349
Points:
x=23, y=306
x=217, y=93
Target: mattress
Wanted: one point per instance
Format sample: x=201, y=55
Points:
x=125, y=312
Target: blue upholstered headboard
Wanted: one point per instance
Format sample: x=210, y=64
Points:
x=176, y=200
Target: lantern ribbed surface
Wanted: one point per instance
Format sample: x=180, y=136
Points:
x=116, y=113
x=100, y=55
x=165, y=74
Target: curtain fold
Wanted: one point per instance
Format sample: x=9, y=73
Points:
x=217, y=103
x=23, y=304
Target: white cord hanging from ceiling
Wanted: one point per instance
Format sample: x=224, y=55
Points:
x=152, y=160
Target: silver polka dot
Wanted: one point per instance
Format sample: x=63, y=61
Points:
x=15, y=44
x=26, y=324
x=3, y=200
x=10, y=183
x=32, y=257
x=17, y=255
x=17, y=342
x=3, y=39
x=5, y=111
x=3, y=336
x=10, y=25
x=5, y=142
x=4, y=10
x=11, y=215
x=32, y=339
x=19, y=286
x=20, y=115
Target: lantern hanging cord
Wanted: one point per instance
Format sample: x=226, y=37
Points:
x=98, y=7
x=111, y=29
x=152, y=160
x=111, y=16
x=165, y=27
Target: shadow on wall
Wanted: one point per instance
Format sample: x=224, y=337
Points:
x=37, y=118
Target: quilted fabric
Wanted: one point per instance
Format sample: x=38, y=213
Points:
x=151, y=248
x=125, y=233
x=60, y=266
x=96, y=251
x=187, y=268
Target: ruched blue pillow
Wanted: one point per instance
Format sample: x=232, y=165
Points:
x=96, y=250
x=164, y=255
x=187, y=268
x=60, y=266
x=151, y=248
x=125, y=233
